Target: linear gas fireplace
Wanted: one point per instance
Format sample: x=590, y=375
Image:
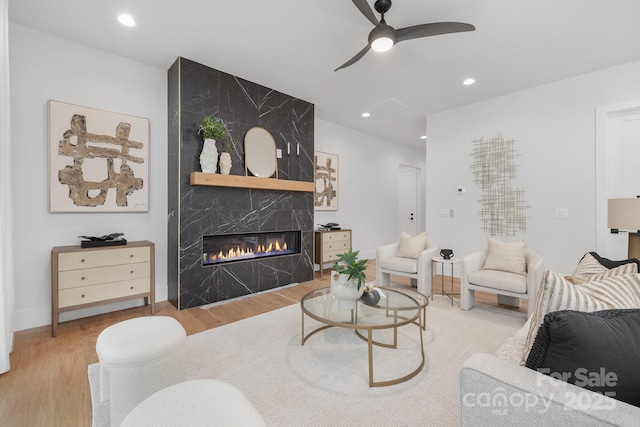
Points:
x=223, y=248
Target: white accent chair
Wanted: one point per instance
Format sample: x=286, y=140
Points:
x=419, y=270
x=510, y=287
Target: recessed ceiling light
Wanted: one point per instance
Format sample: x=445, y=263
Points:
x=126, y=20
x=365, y=114
x=468, y=81
x=423, y=137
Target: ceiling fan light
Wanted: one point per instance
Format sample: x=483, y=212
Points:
x=382, y=44
x=382, y=38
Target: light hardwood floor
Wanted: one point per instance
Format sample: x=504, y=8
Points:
x=48, y=386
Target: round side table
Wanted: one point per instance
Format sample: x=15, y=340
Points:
x=443, y=262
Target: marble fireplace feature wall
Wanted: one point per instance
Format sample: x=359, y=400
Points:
x=195, y=211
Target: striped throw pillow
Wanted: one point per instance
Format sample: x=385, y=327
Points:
x=555, y=293
x=588, y=267
x=631, y=268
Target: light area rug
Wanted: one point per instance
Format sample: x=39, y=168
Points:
x=325, y=382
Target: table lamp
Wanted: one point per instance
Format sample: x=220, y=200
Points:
x=624, y=214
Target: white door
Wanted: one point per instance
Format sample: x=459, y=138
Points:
x=408, y=199
x=617, y=174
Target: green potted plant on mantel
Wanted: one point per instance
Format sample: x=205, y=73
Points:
x=348, y=279
x=212, y=130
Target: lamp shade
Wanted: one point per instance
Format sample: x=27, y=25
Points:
x=623, y=214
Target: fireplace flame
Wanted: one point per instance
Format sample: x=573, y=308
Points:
x=248, y=252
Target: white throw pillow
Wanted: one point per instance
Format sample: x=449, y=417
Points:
x=410, y=247
x=510, y=257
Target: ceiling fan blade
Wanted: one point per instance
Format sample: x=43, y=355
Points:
x=354, y=59
x=433, y=29
x=365, y=9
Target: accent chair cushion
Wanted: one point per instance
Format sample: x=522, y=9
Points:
x=555, y=293
x=396, y=263
x=599, y=351
x=510, y=257
x=410, y=247
x=501, y=280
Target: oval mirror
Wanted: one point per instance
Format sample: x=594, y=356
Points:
x=260, y=152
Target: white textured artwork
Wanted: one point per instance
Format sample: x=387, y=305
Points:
x=502, y=207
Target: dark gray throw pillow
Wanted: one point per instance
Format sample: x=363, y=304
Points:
x=599, y=351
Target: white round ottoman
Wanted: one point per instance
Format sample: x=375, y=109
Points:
x=195, y=403
x=137, y=358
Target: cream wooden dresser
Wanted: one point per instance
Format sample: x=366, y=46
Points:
x=329, y=244
x=87, y=277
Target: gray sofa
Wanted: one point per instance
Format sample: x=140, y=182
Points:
x=495, y=390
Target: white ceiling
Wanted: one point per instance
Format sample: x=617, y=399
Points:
x=294, y=45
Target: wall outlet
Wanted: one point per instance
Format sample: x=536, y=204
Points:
x=562, y=213
x=461, y=190
x=278, y=153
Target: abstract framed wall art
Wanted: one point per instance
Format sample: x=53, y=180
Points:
x=98, y=160
x=326, y=177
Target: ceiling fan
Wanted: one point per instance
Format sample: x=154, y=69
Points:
x=384, y=36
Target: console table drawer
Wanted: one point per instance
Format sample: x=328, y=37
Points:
x=335, y=236
x=105, y=291
x=94, y=276
x=102, y=257
x=332, y=256
x=333, y=248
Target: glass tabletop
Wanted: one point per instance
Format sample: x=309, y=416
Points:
x=394, y=309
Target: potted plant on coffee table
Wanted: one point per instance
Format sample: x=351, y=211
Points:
x=348, y=279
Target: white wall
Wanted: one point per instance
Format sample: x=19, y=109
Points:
x=554, y=129
x=368, y=184
x=44, y=67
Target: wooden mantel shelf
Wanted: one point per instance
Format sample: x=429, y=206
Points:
x=238, y=181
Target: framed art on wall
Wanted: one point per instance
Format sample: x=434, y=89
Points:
x=326, y=177
x=98, y=160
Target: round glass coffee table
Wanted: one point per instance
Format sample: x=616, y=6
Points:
x=395, y=309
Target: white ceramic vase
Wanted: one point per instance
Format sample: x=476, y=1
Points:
x=345, y=291
x=209, y=156
x=225, y=163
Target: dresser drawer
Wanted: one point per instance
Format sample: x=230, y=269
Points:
x=105, y=291
x=341, y=246
x=336, y=236
x=94, y=276
x=103, y=257
x=331, y=256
